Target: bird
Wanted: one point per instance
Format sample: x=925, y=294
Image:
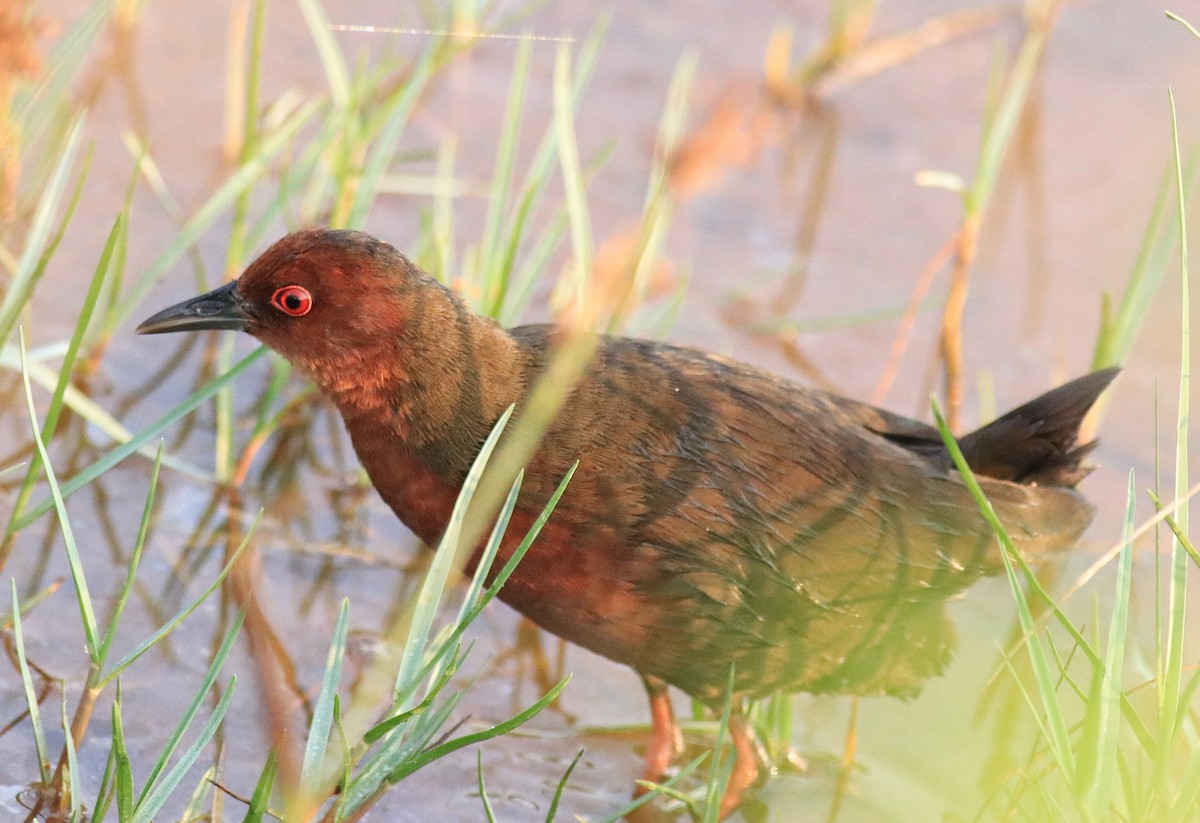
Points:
x=721, y=518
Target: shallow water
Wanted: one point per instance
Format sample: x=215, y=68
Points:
x=815, y=220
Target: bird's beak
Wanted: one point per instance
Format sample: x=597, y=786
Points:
x=219, y=309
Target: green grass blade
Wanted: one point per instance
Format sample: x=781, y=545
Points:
x=439, y=571
x=1185, y=333
x=491, y=263
x=1121, y=329
x=552, y=812
x=657, y=788
x=135, y=560
x=322, y=722
x=20, y=287
x=437, y=752
x=1000, y=129
x=568, y=153
x=337, y=75
x=31, y=701
x=502, y=577
x=154, y=800
x=71, y=783
x=82, y=596
x=66, y=369
x=718, y=768
x=90, y=410
x=1058, y=736
x=1173, y=16
x=182, y=614
x=107, y=789
x=1107, y=708
x=259, y=801
x=488, y=556
x=397, y=752
x=119, y=453
x=210, y=677
x=384, y=149
x=498, y=581
x=123, y=768
x=347, y=759
x=29, y=603
x=1170, y=711
x=536, y=180
x=488, y=813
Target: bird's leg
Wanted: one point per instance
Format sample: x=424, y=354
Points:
x=666, y=741
x=747, y=762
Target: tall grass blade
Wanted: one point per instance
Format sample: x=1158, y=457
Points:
x=536, y=180
x=71, y=785
x=31, y=700
x=568, y=154
x=439, y=571
x=92, y=412
x=384, y=149
x=658, y=788
x=122, y=768
x=107, y=789
x=719, y=768
x=488, y=556
x=1058, y=736
x=36, y=108
x=135, y=560
x=66, y=369
x=491, y=262
x=82, y=595
x=1102, y=738
x=1120, y=328
x=337, y=75
x=322, y=722
x=29, y=268
x=1171, y=712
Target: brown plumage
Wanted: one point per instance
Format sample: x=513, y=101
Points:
x=720, y=514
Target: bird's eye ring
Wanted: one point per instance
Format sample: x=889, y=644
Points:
x=292, y=300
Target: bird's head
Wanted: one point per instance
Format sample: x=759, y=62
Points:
x=315, y=296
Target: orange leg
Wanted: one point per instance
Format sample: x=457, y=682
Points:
x=747, y=758
x=666, y=741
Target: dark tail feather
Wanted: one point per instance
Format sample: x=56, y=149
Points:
x=1038, y=443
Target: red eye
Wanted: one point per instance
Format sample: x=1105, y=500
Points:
x=293, y=300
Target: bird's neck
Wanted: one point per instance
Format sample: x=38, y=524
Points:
x=433, y=393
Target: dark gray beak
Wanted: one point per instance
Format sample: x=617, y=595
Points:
x=219, y=309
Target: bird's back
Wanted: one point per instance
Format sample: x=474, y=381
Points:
x=723, y=515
